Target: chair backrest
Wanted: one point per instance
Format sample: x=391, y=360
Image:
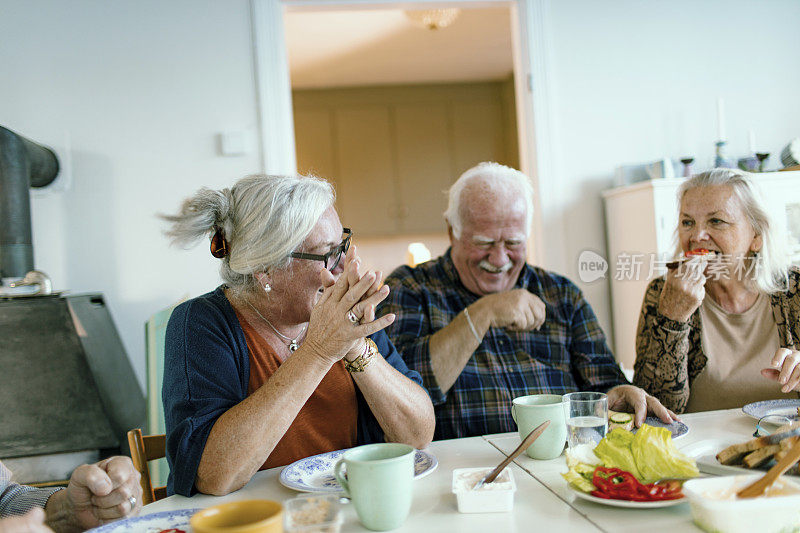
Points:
x=144, y=449
x=155, y=333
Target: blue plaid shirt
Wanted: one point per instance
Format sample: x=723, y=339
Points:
x=569, y=353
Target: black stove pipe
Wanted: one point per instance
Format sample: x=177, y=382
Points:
x=23, y=164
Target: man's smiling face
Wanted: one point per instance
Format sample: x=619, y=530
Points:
x=490, y=252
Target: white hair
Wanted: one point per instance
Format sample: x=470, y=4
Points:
x=262, y=218
x=497, y=177
x=773, y=262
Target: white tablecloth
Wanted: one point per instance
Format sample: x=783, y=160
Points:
x=543, y=501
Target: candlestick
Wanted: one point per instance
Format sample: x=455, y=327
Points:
x=720, y=161
x=762, y=160
x=687, y=166
x=752, y=141
x=721, y=119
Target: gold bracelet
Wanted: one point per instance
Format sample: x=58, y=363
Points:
x=360, y=363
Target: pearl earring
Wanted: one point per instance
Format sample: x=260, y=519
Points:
x=267, y=287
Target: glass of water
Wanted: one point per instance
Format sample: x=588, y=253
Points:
x=587, y=417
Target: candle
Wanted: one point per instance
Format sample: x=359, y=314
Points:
x=752, y=141
x=720, y=119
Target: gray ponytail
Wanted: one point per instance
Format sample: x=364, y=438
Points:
x=198, y=216
x=262, y=218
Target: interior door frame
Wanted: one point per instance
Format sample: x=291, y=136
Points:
x=532, y=66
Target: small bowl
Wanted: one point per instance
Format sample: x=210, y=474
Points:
x=495, y=497
x=246, y=516
x=316, y=513
x=712, y=511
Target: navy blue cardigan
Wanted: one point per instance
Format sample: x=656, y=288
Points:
x=207, y=371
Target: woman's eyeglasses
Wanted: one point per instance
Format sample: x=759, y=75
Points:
x=332, y=258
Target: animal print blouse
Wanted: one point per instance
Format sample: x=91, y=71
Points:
x=669, y=354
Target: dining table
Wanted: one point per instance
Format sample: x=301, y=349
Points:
x=543, y=499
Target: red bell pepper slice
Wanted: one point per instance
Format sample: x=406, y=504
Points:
x=617, y=484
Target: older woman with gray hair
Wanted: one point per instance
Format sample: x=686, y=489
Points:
x=720, y=329
x=285, y=359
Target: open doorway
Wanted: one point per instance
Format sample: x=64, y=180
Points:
x=393, y=112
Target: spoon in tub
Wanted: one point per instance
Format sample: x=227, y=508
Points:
x=526, y=442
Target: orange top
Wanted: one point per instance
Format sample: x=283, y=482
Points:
x=327, y=421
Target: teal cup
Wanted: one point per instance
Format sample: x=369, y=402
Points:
x=379, y=481
x=531, y=411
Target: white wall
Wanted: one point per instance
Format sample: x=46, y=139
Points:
x=636, y=80
x=141, y=88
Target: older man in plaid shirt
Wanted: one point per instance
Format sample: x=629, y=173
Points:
x=483, y=327
x=96, y=494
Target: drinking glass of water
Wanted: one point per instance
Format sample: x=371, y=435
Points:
x=587, y=417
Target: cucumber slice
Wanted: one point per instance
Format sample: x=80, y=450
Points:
x=620, y=418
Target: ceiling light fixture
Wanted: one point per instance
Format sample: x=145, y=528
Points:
x=433, y=19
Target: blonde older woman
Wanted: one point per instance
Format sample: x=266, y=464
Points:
x=286, y=359
x=721, y=330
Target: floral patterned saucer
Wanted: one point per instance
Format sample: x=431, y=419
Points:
x=677, y=428
x=154, y=522
x=315, y=473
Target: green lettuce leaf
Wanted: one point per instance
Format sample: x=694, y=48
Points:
x=657, y=457
x=580, y=476
x=615, y=451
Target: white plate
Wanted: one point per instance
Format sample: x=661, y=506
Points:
x=705, y=452
x=758, y=410
x=315, y=473
x=153, y=522
x=625, y=503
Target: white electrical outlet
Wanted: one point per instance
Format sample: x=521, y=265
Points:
x=233, y=143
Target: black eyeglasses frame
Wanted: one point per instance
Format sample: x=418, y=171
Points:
x=340, y=251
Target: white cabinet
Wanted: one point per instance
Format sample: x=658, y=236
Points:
x=640, y=225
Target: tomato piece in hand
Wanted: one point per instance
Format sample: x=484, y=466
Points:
x=696, y=251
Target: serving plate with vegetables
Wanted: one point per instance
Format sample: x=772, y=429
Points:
x=635, y=470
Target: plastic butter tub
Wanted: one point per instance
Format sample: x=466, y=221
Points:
x=319, y=513
x=495, y=497
x=716, y=508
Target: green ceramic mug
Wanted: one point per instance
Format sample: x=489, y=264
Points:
x=379, y=482
x=530, y=411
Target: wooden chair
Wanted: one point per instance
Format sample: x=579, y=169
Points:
x=144, y=449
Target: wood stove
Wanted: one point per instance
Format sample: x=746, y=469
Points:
x=68, y=393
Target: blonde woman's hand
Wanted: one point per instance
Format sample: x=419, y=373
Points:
x=331, y=333
x=625, y=397
x=785, y=369
x=684, y=290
